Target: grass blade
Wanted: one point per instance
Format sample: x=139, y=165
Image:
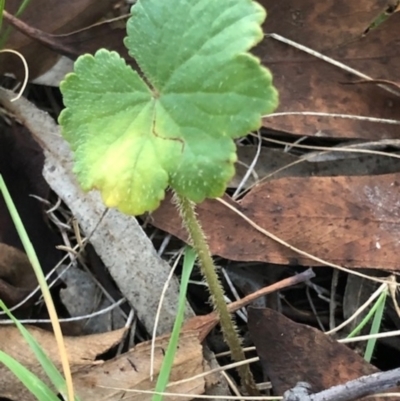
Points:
x=2, y=4
x=30, y=251
x=36, y=386
x=376, y=325
x=168, y=361
x=47, y=364
x=4, y=36
x=369, y=315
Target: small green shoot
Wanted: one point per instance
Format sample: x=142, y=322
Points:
x=168, y=361
x=375, y=327
x=377, y=313
x=369, y=315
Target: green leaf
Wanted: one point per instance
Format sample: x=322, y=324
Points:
x=135, y=136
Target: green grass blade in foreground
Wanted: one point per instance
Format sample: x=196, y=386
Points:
x=46, y=363
x=376, y=325
x=2, y=4
x=369, y=315
x=30, y=251
x=36, y=386
x=168, y=361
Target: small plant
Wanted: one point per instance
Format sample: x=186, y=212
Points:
x=174, y=124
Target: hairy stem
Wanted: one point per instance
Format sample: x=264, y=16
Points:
x=199, y=243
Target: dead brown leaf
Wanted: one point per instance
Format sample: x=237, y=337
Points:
x=76, y=43
x=82, y=352
x=92, y=377
x=17, y=278
x=51, y=16
x=131, y=371
x=305, y=83
x=291, y=352
x=352, y=221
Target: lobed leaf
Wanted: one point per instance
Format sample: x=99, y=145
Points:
x=133, y=137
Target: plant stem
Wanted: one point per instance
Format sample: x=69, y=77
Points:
x=199, y=243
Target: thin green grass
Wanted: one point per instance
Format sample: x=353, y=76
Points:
x=4, y=36
x=376, y=325
x=2, y=4
x=168, y=361
x=66, y=387
x=376, y=312
x=37, y=387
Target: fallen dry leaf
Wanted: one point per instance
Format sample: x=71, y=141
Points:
x=76, y=43
x=336, y=28
x=17, y=278
x=91, y=376
x=352, y=221
x=82, y=352
x=131, y=371
x=291, y=352
x=60, y=17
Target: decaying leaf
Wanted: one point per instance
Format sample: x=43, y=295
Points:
x=292, y=352
x=82, y=351
x=353, y=221
x=131, y=371
x=60, y=17
x=17, y=278
x=337, y=29
x=91, y=377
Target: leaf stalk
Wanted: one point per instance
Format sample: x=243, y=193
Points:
x=208, y=269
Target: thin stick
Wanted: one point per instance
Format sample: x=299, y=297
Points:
x=352, y=390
